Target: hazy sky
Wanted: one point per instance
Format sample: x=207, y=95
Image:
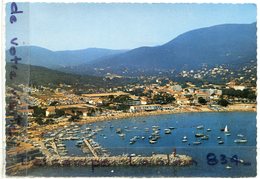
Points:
x=117, y=26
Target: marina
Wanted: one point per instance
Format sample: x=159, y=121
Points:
x=133, y=138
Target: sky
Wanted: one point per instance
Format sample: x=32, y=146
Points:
x=71, y=26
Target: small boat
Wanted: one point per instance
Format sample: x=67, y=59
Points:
x=155, y=126
x=185, y=139
x=218, y=137
x=200, y=127
x=122, y=135
x=199, y=135
x=171, y=128
x=74, y=138
x=205, y=137
x=240, y=135
x=61, y=145
x=79, y=143
x=167, y=131
x=226, y=130
x=208, y=129
x=240, y=141
x=227, y=134
x=228, y=167
x=221, y=142
x=196, y=143
x=143, y=137
x=152, y=141
x=118, y=130
x=133, y=139
x=133, y=155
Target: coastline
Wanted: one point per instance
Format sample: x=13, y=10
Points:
x=186, y=109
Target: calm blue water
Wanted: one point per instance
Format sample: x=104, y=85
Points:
x=185, y=124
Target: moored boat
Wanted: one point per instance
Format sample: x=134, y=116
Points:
x=240, y=140
x=152, y=141
x=167, y=131
x=199, y=135
x=221, y=142
x=200, y=127
x=196, y=143
x=205, y=137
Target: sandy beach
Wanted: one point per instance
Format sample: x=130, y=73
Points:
x=184, y=109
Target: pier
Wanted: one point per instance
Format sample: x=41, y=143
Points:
x=91, y=149
x=154, y=160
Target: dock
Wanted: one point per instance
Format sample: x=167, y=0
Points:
x=91, y=149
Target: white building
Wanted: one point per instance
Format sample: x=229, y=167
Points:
x=140, y=108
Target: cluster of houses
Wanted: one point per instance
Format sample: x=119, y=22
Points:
x=59, y=98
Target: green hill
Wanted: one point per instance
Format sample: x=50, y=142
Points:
x=28, y=74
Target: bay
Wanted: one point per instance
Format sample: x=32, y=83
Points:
x=185, y=124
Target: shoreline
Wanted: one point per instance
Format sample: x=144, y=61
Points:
x=87, y=120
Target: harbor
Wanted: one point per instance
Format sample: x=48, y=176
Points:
x=176, y=140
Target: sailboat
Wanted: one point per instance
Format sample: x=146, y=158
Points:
x=226, y=131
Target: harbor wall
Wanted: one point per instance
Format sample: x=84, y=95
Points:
x=161, y=159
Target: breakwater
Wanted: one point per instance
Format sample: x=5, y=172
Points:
x=154, y=160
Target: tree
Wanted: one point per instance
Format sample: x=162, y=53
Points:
x=223, y=102
x=38, y=112
x=163, y=98
x=202, y=101
x=54, y=103
x=91, y=112
x=59, y=112
x=39, y=121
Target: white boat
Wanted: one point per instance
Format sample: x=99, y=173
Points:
x=240, y=135
x=152, y=141
x=184, y=140
x=131, y=142
x=167, y=131
x=200, y=127
x=240, y=141
x=221, y=142
x=121, y=135
x=208, y=129
x=197, y=143
x=79, y=143
x=226, y=130
x=205, y=137
x=228, y=167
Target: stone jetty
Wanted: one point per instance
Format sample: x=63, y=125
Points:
x=154, y=160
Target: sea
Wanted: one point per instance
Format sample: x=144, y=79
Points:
x=211, y=159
